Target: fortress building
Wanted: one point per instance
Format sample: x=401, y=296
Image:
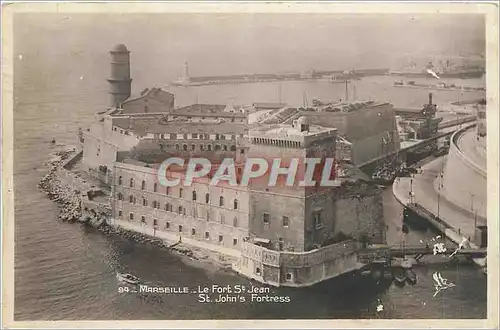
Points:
x=282, y=235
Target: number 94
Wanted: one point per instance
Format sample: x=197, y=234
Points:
x=122, y=289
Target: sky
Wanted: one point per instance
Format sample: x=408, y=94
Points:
x=217, y=44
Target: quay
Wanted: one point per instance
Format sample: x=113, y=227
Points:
x=432, y=197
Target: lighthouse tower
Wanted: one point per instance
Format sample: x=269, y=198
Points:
x=119, y=80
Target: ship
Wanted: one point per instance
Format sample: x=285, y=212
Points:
x=446, y=70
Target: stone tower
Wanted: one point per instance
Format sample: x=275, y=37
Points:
x=119, y=80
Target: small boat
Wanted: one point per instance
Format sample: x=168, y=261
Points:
x=400, y=278
x=411, y=277
x=127, y=278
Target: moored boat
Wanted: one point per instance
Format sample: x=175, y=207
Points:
x=127, y=278
x=411, y=277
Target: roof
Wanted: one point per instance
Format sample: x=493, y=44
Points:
x=269, y=105
x=200, y=108
x=284, y=130
x=402, y=110
x=156, y=93
x=120, y=48
x=189, y=127
x=134, y=162
x=143, y=127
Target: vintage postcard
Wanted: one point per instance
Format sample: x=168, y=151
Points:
x=250, y=165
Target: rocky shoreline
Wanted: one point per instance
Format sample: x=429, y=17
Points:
x=68, y=200
x=70, y=210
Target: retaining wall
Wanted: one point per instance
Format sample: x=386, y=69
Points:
x=464, y=182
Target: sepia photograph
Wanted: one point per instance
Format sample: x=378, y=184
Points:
x=217, y=162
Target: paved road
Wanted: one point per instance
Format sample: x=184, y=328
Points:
x=426, y=195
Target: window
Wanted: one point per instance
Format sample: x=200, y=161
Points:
x=257, y=271
x=286, y=221
x=173, y=137
x=144, y=202
x=194, y=195
x=235, y=204
x=120, y=214
x=209, y=147
x=167, y=225
x=168, y=207
x=131, y=216
x=224, y=147
x=185, y=136
x=131, y=183
x=193, y=231
x=193, y=147
x=265, y=218
x=235, y=241
x=233, y=137
x=208, y=215
x=317, y=220
x=177, y=147
x=162, y=136
x=155, y=222
x=131, y=199
x=120, y=196
x=181, y=192
x=235, y=222
x=194, y=135
x=180, y=228
x=184, y=147
x=143, y=220
x=288, y=276
x=155, y=187
x=207, y=235
x=146, y=108
x=180, y=209
x=221, y=238
x=207, y=198
x=202, y=147
x=143, y=185
x=222, y=219
x=120, y=180
x=217, y=147
x=242, y=151
x=221, y=201
x=216, y=136
x=233, y=148
x=155, y=204
x=167, y=191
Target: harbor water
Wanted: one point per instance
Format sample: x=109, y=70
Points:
x=66, y=271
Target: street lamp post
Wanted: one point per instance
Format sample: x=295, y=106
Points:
x=440, y=185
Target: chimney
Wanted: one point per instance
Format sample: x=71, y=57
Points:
x=430, y=98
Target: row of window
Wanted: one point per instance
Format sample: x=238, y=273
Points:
x=266, y=219
x=168, y=226
x=217, y=147
x=196, y=136
x=194, y=213
x=156, y=204
x=168, y=192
